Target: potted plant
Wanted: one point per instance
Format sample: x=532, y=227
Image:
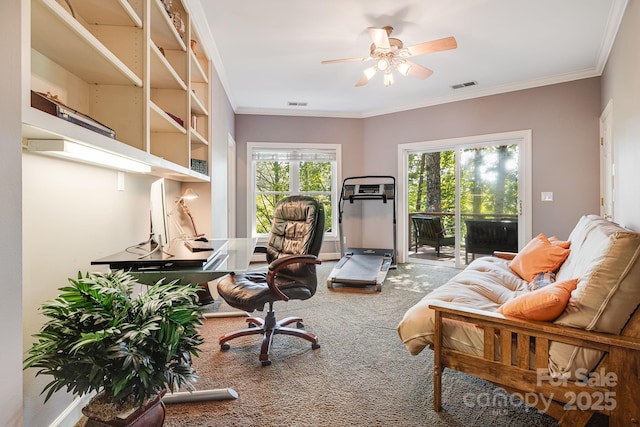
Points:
x=130, y=348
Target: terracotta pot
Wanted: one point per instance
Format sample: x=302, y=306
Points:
x=150, y=415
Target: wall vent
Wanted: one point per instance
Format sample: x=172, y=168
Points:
x=461, y=85
x=297, y=104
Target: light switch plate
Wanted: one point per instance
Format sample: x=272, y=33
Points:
x=546, y=196
x=120, y=181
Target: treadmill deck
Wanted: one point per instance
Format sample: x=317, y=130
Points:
x=362, y=267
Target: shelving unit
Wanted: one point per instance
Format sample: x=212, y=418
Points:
x=124, y=64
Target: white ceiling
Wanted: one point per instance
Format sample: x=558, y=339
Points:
x=268, y=52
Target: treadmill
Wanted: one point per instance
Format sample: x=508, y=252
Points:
x=365, y=266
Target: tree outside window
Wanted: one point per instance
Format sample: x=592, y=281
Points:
x=282, y=171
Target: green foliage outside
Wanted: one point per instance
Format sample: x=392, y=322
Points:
x=276, y=180
x=488, y=182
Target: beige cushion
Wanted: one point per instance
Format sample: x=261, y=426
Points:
x=485, y=284
x=604, y=257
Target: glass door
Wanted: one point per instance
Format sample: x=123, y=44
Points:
x=489, y=200
x=464, y=199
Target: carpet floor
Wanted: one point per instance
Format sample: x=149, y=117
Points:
x=361, y=376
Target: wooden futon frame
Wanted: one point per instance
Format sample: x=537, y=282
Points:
x=613, y=387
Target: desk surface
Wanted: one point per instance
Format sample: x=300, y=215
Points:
x=235, y=255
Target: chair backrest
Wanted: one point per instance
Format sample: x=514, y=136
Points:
x=491, y=235
x=427, y=227
x=297, y=229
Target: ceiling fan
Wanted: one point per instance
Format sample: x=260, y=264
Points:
x=389, y=53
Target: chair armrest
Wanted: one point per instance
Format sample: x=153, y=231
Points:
x=549, y=330
x=276, y=265
x=504, y=255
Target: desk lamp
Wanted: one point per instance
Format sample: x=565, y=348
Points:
x=188, y=194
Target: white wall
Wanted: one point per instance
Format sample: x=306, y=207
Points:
x=621, y=83
x=72, y=214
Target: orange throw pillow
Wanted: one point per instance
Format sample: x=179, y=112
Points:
x=539, y=256
x=562, y=243
x=543, y=304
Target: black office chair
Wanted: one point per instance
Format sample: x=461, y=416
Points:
x=292, y=253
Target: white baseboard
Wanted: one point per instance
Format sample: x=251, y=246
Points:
x=72, y=413
x=329, y=256
x=333, y=256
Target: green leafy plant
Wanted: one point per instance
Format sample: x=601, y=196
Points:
x=101, y=337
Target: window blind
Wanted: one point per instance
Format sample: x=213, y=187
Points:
x=295, y=154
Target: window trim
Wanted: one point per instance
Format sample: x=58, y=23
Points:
x=251, y=181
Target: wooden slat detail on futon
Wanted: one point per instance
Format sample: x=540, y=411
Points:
x=505, y=346
x=489, y=343
x=523, y=351
x=542, y=353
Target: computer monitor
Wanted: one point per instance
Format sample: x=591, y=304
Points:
x=159, y=214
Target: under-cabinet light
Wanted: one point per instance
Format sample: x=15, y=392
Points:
x=84, y=153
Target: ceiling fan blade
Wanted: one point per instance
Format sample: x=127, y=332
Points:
x=380, y=37
x=363, y=81
x=417, y=70
x=446, y=43
x=333, y=61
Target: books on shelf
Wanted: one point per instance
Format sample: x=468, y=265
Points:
x=51, y=105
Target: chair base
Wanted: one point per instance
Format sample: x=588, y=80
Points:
x=268, y=327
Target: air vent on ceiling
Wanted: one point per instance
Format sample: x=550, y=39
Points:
x=461, y=85
x=297, y=104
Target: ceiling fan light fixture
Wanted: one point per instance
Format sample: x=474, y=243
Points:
x=370, y=72
x=403, y=68
x=389, y=53
x=388, y=78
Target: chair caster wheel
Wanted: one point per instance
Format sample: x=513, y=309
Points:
x=314, y=346
x=266, y=362
x=300, y=325
x=225, y=347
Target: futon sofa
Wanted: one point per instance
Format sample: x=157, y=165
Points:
x=557, y=320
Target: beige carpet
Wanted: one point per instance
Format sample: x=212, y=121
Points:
x=361, y=376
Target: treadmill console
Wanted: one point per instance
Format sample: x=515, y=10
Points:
x=353, y=192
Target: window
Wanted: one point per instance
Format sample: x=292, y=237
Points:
x=280, y=170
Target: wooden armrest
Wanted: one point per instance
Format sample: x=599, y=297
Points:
x=551, y=331
x=504, y=255
x=276, y=265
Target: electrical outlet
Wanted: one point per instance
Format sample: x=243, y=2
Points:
x=546, y=196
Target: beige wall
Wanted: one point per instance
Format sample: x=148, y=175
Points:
x=564, y=123
x=563, y=119
x=302, y=130
x=621, y=83
x=10, y=217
